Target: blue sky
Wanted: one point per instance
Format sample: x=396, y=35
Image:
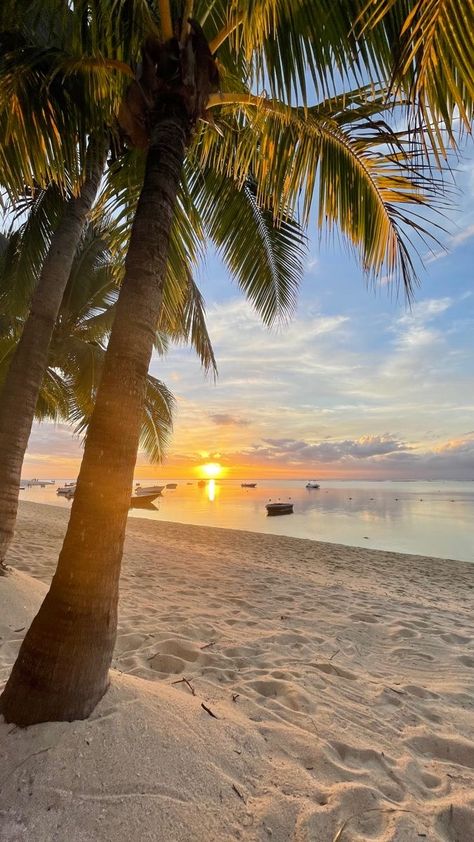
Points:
x=356, y=386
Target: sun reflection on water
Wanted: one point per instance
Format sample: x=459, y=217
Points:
x=211, y=490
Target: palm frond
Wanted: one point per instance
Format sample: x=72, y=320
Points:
x=157, y=422
x=263, y=253
x=369, y=179
x=427, y=47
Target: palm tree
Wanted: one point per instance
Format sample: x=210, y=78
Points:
x=56, y=142
x=198, y=132
x=26, y=370
x=78, y=344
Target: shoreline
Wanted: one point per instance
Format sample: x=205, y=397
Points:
x=157, y=524
x=342, y=679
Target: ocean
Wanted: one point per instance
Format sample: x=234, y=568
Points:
x=424, y=518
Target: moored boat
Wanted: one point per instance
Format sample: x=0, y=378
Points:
x=201, y=483
x=148, y=489
x=279, y=508
x=142, y=501
x=172, y=485
x=312, y=484
x=64, y=490
x=248, y=484
x=137, y=501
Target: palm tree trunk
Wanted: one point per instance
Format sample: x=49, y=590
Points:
x=62, y=669
x=25, y=374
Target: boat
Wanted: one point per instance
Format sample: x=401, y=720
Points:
x=42, y=483
x=143, y=501
x=248, y=484
x=312, y=484
x=172, y=485
x=137, y=501
x=149, y=489
x=64, y=490
x=279, y=508
x=201, y=483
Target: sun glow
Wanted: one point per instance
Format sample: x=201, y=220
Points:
x=211, y=470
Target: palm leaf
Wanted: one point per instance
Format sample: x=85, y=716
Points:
x=265, y=256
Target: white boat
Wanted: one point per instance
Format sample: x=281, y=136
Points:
x=312, y=484
x=143, y=501
x=66, y=489
x=42, y=483
x=137, y=501
x=149, y=489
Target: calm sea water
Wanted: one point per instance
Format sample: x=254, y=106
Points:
x=427, y=518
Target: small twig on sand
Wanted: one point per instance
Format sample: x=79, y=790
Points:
x=209, y=711
x=188, y=684
x=238, y=792
x=335, y=653
x=206, y=645
x=235, y=696
x=19, y=630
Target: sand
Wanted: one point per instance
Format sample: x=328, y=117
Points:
x=341, y=679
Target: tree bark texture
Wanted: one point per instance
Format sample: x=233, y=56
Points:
x=62, y=669
x=23, y=381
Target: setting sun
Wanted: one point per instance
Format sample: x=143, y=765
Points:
x=212, y=469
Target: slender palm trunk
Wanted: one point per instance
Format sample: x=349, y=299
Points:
x=25, y=374
x=62, y=669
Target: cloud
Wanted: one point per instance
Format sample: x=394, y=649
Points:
x=453, y=243
x=304, y=452
x=223, y=419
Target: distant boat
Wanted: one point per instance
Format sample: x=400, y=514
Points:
x=279, y=508
x=142, y=501
x=201, y=483
x=65, y=490
x=172, y=485
x=137, y=501
x=42, y=483
x=248, y=484
x=312, y=484
x=149, y=489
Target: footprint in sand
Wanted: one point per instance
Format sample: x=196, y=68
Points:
x=401, y=633
x=330, y=669
x=167, y=664
x=447, y=749
x=283, y=692
x=455, y=638
x=456, y=822
x=411, y=655
x=467, y=660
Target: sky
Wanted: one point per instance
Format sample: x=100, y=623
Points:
x=356, y=386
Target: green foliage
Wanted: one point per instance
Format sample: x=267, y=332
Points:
x=79, y=343
x=64, y=70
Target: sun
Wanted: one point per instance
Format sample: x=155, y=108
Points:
x=212, y=470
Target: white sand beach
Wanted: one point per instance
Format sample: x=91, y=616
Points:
x=341, y=683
